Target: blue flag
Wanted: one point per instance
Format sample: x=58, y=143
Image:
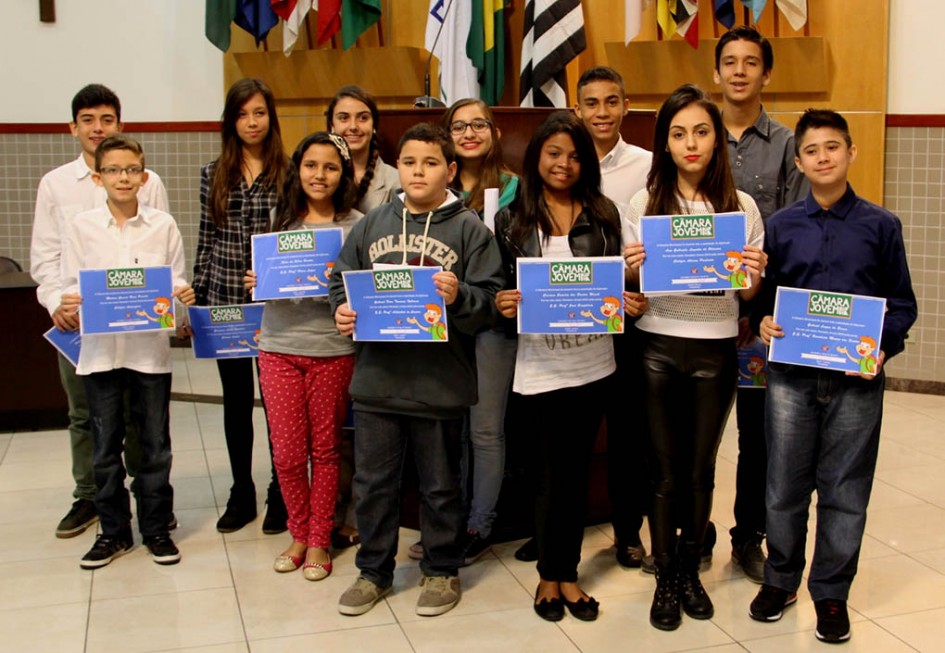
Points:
x=725, y=12
x=256, y=17
x=756, y=6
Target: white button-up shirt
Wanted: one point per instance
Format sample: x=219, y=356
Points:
x=623, y=172
x=93, y=240
x=64, y=193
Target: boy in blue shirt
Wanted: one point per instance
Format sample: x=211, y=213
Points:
x=823, y=426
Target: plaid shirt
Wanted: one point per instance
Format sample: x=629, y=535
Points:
x=224, y=253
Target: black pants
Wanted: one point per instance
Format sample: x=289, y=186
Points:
x=752, y=462
x=237, y=379
x=689, y=387
x=628, y=480
x=566, y=422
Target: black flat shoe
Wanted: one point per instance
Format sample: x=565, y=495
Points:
x=585, y=609
x=341, y=541
x=528, y=552
x=549, y=609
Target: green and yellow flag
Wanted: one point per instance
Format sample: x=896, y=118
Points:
x=356, y=17
x=486, y=47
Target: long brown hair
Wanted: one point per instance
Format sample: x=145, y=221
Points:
x=491, y=169
x=228, y=171
x=374, y=149
x=717, y=186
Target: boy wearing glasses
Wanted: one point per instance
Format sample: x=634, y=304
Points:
x=64, y=193
x=125, y=233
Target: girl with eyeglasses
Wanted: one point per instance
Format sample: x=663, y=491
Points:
x=689, y=359
x=305, y=365
x=237, y=193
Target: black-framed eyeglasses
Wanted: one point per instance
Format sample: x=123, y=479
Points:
x=478, y=125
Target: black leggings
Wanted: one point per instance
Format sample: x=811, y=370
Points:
x=689, y=388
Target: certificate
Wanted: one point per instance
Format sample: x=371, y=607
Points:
x=122, y=300
x=692, y=253
x=69, y=343
x=294, y=263
x=226, y=331
x=396, y=304
x=829, y=330
x=570, y=295
x=753, y=365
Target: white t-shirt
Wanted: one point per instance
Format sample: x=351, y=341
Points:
x=698, y=315
x=551, y=362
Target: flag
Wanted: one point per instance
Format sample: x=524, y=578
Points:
x=356, y=17
x=329, y=19
x=633, y=18
x=795, y=11
x=256, y=17
x=448, y=24
x=298, y=10
x=553, y=36
x=218, y=16
x=664, y=17
x=725, y=12
x=486, y=47
x=687, y=21
x=756, y=6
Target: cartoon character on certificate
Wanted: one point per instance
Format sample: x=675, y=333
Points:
x=163, y=316
x=328, y=268
x=865, y=349
x=432, y=316
x=736, y=276
x=255, y=343
x=756, y=372
x=609, y=310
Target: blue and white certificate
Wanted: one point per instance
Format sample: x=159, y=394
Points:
x=571, y=295
x=828, y=330
x=753, y=365
x=692, y=253
x=69, y=343
x=226, y=331
x=122, y=300
x=396, y=304
x=294, y=263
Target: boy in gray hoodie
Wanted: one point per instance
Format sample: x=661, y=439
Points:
x=411, y=396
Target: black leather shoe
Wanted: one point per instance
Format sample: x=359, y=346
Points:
x=630, y=557
x=549, y=609
x=664, y=612
x=585, y=609
x=236, y=516
x=693, y=597
x=528, y=552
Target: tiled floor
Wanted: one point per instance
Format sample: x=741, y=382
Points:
x=224, y=597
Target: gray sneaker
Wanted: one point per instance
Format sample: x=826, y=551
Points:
x=440, y=594
x=360, y=597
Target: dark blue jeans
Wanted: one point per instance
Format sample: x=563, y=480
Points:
x=381, y=444
x=823, y=434
x=150, y=396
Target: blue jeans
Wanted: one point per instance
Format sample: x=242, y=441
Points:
x=485, y=462
x=150, y=396
x=823, y=434
x=381, y=444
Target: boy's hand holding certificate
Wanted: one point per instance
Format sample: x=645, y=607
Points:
x=691, y=253
x=294, y=263
x=828, y=330
x=571, y=295
x=396, y=304
x=121, y=300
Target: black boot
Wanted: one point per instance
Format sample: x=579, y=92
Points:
x=240, y=510
x=695, y=602
x=664, y=613
x=275, y=520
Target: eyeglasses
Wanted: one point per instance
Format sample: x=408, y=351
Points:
x=478, y=125
x=115, y=171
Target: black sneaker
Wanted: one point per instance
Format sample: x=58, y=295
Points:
x=751, y=559
x=106, y=549
x=833, y=622
x=163, y=550
x=473, y=546
x=770, y=602
x=81, y=515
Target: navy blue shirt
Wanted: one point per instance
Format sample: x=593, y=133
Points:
x=853, y=247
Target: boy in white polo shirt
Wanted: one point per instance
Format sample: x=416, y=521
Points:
x=125, y=233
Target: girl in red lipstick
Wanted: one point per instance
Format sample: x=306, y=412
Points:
x=689, y=357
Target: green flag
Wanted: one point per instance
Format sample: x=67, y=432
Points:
x=486, y=47
x=219, y=15
x=356, y=17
